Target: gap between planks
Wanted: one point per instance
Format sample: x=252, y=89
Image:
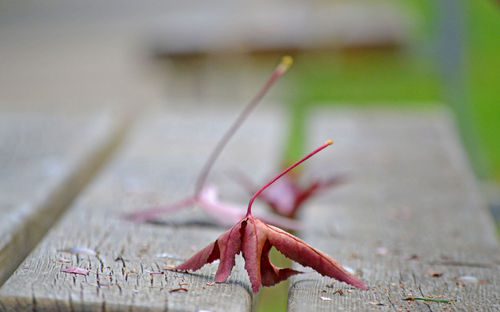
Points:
x=37, y=212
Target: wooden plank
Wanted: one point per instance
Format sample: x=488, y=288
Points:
x=410, y=205
x=45, y=159
x=157, y=165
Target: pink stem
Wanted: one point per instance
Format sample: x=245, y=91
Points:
x=249, y=210
x=278, y=72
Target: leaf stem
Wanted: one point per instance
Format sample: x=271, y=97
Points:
x=285, y=63
x=324, y=145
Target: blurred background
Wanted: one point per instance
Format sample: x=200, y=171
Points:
x=86, y=55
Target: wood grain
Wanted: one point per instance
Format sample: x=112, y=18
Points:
x=45, y=160
x=409, y=210
x=157, y=164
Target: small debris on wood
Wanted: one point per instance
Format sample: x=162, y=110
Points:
x=381, y=251
x=178, y=289
x=412, y=257
x=433, y=273
x=467, y=279
x=143, y=247
x=134, y=271
x=164, y=255
x=169, y=267
x=79, y=251
x=183, y=283
x=210, y=283
x=154, y=272
x=75, y=270
x=339, y=291
x=325, y=298
x=120, y=258
x=377, y=303
x=63, y=260
x=428, y=299
x=402, y=214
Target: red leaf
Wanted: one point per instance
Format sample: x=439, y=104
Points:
x=286, y=196
x=224, y=213
x=254, y=239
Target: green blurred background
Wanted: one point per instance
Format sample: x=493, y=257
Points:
x=454, y=58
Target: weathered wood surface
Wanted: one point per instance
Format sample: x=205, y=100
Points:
x=157, y=164
x=410, y=205
x=45, y=160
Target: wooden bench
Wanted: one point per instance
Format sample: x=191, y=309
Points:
x=409, y=220
x=157, y=165
x=45, y=160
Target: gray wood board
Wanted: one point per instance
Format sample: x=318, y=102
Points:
x=45, y=159
x=157, y=164
x=409, y=205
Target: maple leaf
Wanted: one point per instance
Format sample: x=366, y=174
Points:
x=206, y=196
x=225, y=214
x=286, y=196
x=253, y=239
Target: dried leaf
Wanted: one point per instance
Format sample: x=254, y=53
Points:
x=228, y=214
x=286, y=196
x=204, y=195
x=75, y=270
x=254, y=239
x=225, y=214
